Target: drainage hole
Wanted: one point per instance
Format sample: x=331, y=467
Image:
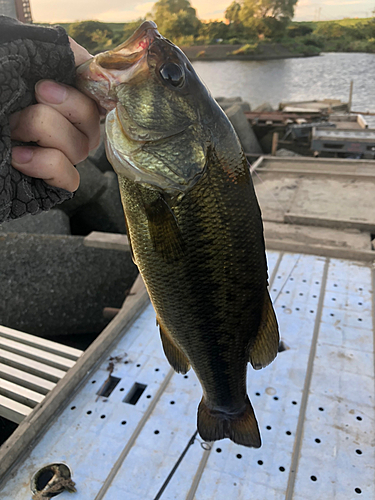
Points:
x=359, y=418
x=171, y=402
x=102, y=416
x=358, y=490
x=239, y=455
x=93, y=381
x=288, y=433
x=311, y=311
x=148, y=396
x=156, y=369
x=269, y=427
x=186, y=376
x=314, y=296
x=257, y=394
x=260, y=462
x=331, y=314
x=282, y=469
x=297, y=308
x=287, y=291
x=360, y=289
x=316, y=282
x=303, y=281
x=335, y=285
x=274, y=290
x=138, y=365
x=359, y=319
x=126, y=362
x=156, y=432
x=313, y=478
x=359, y=452
x=294, y=402
x=301, y=294
x=321, y=409
x=123, y=422
x=333, y=298
x=279, y=277
x=89, y=412
x=291, y=279
x=122, y=389
x=275, y=398
x=283, y=307
x=73, y=408
x=317, y=440
x=218, y=450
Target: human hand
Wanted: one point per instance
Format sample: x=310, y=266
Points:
x=64, y=124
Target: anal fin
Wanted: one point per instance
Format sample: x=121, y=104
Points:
x=241, y=429
x=174, y=355
x=266, y=344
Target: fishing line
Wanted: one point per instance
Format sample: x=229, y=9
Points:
x=171, y=474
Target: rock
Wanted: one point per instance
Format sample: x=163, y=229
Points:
x=244, y=130
x=264, y=108
x=54, y=221
x=104, y=213
x=92, y=185
x=228, y=99
x=286, y=152
x=54, y=285
x=227, y=104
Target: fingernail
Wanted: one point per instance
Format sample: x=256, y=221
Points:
x=51, y=92
x=22, y=154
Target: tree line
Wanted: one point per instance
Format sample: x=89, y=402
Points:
x=246, y=22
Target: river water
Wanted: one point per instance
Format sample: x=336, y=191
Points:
x=324, y=76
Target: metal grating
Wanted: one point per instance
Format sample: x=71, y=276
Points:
x=314, y=406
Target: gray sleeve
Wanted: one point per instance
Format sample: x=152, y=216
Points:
x=28, y=53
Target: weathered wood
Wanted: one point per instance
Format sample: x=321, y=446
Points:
x=275, y=141
x=315, y=220
x=108, y=241
x=320, y=250
x=32, y=427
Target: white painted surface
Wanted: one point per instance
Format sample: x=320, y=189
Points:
x=115, y=452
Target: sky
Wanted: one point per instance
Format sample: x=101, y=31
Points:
x=130, y=10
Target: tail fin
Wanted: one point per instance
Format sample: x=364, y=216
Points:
x=241, y=429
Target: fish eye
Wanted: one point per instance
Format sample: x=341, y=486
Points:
x=172, y=73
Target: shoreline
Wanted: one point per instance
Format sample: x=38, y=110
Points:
x=220, y=52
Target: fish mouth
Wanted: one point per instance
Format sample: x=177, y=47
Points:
x=98, y=76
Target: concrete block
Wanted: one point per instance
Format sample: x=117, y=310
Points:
x=264, y=108
x=54, y=285
x=54, y=221
x=99, y=158
x=105, y=212
x=228, y=99
x=244, y=130
x=227, y=104
x=92, y=185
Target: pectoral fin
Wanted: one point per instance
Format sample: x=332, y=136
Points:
x=264, y=350
x=174, y=355
x=164, y=231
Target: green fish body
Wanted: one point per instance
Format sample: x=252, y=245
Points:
x=193, y=222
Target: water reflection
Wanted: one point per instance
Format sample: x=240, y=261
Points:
x=326, y=76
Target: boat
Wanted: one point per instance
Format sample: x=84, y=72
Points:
x=122, y=423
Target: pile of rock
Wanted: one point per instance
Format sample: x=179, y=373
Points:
x=235, y=109
x=51, y=283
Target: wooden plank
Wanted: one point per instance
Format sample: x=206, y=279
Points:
x=32, y=427
x=37, y=384
x=319, y=250
x=44, y=344
x=13, y=411
x=108, y=241
x=18, y=393
x=315, y=220
x=31, y=366
x=36, y=354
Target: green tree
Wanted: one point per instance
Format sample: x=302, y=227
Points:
x=232, y=13
x=176, y=18
x=277, y=9
x=93, y=35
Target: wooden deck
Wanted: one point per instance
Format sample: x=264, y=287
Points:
x=315, y=406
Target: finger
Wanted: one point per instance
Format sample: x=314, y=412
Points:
x=51, y=165
x=79, y=109
x=48, y=128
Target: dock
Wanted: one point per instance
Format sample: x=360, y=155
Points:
x=124, y=422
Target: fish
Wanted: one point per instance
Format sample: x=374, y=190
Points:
x=193, y=222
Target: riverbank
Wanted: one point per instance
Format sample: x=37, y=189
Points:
x=241, y=52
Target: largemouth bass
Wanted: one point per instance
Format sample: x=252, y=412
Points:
x=193, y=222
